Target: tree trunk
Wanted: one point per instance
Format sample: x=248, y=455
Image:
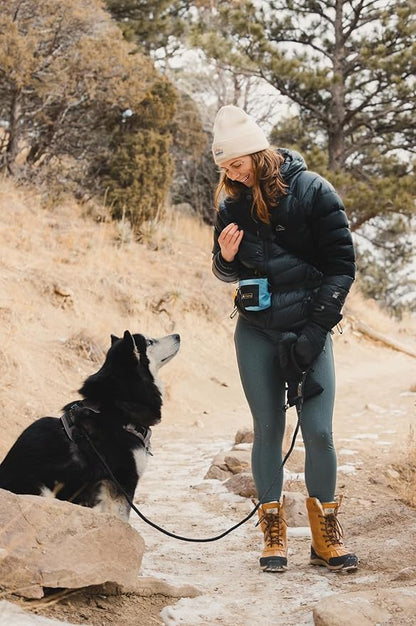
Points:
x=336, y=142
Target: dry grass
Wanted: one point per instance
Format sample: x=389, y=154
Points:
x=68, y=282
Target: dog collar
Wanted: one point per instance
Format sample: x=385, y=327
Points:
x=142, y=432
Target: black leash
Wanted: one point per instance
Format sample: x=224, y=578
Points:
x=299, y=404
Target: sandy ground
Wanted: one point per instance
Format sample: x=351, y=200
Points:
x=204, y=407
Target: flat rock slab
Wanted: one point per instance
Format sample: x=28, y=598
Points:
x=367, y=608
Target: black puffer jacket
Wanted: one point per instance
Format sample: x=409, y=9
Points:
x=306, y=251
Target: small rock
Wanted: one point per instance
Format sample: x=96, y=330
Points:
x=243, y=485
x=219, y=461
x=217, y=473
x=244, y=435
x=375, y=408
x=62, y=290
x=236, y=464
x=150, y=586
x=408, y=573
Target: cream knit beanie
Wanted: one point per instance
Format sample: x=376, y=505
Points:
x=236, y=134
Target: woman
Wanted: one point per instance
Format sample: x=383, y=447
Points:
x=283, y=234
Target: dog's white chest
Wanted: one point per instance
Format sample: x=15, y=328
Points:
x=140, y=458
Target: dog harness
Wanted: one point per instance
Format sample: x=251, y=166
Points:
x=143, y=433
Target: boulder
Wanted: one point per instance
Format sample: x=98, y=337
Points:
x=47, y=543
x=377, y=606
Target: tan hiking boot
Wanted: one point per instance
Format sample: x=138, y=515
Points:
x=327, y=546
x=273, y=524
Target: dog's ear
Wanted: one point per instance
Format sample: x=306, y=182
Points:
x=129, y=340
x=114, y=339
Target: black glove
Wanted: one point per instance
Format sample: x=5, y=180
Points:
x=309, y=345
x=293, y=373
x=287, y=363
x=309, y=389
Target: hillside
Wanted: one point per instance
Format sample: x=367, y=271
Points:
x=69, y=281
x=70, y=278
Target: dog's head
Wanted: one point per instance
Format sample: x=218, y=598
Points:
x=126, y=385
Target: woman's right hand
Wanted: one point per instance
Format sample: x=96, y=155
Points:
x=229, y=241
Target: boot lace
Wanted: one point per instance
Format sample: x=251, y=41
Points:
x=273, y=530
x=332, y=529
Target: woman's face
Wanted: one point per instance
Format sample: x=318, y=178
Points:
x=240, y=170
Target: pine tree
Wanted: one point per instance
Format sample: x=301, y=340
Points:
x=138, y=169
x=349, y=66
x=151, y=24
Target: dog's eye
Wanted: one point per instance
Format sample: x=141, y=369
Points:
x=149, y=342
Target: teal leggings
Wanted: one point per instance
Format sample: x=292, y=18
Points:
x=264, y=388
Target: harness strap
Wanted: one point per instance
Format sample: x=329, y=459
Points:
x=68, y=423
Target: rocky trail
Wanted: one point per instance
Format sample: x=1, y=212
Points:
x=378, y=526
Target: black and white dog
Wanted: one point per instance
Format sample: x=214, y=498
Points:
x=60, y=457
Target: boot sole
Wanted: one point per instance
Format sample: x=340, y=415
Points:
x=274, y=569
x=335, y=568
x=273, y=564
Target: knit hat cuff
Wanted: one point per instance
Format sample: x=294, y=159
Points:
x=230, y=149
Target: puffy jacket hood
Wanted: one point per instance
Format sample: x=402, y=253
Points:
x=294, y=163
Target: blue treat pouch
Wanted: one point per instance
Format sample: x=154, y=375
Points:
x=253, y=294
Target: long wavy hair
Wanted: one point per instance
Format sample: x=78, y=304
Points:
x=268, y=184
